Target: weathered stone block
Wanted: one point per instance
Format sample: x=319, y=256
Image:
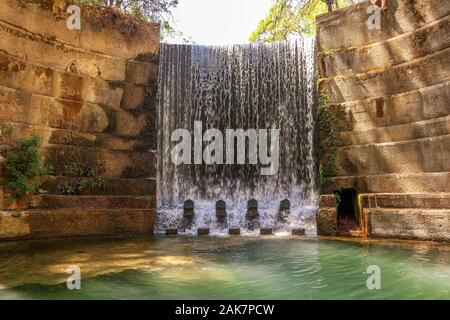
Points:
x=265, y=231
x=140, y=73
x=133, y=97
x=171, y=231
x=298, y=232
x=47, y=224
x=348, y=27
x=327, y=201
x=423, y=224
x=234, y=231
x=326, y=221
x=203, y=231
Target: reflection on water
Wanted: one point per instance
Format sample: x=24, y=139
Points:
x=223, y=268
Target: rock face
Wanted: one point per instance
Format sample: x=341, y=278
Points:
x=90, y=94
x=394, y=86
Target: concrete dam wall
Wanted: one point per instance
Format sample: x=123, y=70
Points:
x=90, y=94
x=383, y=120
x=387, y=92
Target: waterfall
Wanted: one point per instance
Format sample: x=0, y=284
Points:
x=252, y=86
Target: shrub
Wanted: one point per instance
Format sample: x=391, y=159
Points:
x=22, y=166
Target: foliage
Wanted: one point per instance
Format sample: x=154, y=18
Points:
x=329, y=124
x=84, y=166
x=329, y=137
x=288, y=18
x=150, y=10
x=23, y=165
x=78, y=186
x=328, y=165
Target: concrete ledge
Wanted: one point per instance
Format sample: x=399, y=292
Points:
x=403, y=201
x=423, y=224
x=396, y=183
x=44, y=224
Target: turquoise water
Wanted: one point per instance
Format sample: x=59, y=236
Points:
x=223, y=268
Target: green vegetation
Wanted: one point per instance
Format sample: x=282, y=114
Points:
x=78, y=186
x=22, y=166
x=84, y=166
x=149, y=10
x=328, y=136
x=291, y=17
x=330, y=122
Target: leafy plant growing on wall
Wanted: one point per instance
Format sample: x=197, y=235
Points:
x=22, y=166
x=328, y=136
x=83, y=166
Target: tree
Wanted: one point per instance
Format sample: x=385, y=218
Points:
x=292, y=18
x=151, y=10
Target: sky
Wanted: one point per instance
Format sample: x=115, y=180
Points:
x=216, y=22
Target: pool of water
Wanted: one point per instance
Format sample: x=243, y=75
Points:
x=224, y=268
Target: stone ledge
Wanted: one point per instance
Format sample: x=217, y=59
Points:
x=120, y=187
x=347, y=27
x=427, y=71
x=412, y=106
x=395, y=133
x=46, y=224
x=406, y=47
x=93, y=36
x=403, y=201
x=21, y=75
x=51, y=201
x=116, y=163
x=423, y=224
x=67, y=137
x=412, y=156
x=433, y=182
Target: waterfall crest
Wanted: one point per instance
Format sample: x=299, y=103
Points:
x=252, y=86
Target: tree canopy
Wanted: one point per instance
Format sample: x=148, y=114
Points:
x=151, y=10
x=294, y=18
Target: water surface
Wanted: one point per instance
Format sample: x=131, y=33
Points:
x=223, y=268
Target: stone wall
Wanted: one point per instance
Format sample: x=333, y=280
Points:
x=388, y=93
x=90, y=94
